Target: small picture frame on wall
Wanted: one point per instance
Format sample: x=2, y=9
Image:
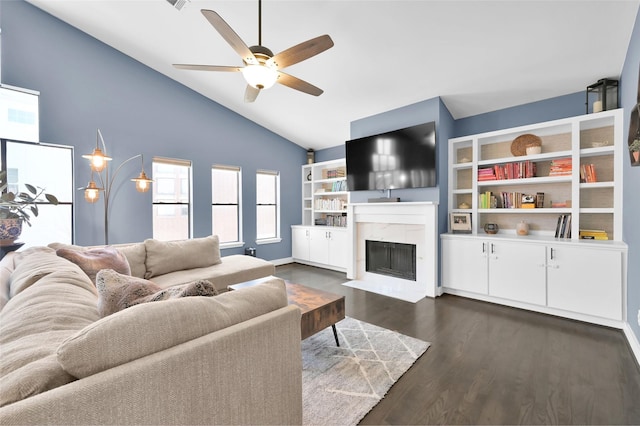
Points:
x=460, y=223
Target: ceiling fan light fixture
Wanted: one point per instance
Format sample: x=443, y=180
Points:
x=260, y=76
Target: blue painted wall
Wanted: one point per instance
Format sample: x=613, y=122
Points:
x=85, y=84
x=629, y=94
x=550, y=109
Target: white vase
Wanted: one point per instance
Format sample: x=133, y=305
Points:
x=522, y=228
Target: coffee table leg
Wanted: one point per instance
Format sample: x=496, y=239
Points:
x=335, y=334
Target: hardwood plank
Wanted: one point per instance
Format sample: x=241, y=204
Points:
x=491, y=364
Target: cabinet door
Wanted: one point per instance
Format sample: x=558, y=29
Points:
x=338, y=248
x=300, y=243
x=585, y=280
x=464, y=265
x=319, y=245
x=517, y=272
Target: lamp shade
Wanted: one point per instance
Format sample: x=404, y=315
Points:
x=260, y=76
x=97, y=160
x=143, y=183
x=92, y=192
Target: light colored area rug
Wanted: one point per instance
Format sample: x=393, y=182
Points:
x=340, y=385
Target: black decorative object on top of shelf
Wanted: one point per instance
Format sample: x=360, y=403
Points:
x=602, y=95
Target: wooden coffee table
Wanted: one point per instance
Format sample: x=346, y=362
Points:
x=320, y=309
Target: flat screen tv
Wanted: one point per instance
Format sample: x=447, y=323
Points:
x=403, y=158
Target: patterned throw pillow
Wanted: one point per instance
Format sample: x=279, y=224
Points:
x=117, y=291
x=93, y=260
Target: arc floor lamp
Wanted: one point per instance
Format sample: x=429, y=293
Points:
x=99, y=163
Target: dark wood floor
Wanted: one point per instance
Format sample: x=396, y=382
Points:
x=490, y=364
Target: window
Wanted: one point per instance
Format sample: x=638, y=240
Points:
x=171, y=199
x=225, y=204
x=267, y=202
x=49, y=167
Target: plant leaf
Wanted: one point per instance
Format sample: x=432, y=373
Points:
x=32, y=189
x=52, y=199
x=34, y=210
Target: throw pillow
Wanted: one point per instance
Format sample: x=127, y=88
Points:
x=93, y=260
x=118, y=291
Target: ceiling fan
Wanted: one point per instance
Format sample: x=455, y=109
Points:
x=261, y=67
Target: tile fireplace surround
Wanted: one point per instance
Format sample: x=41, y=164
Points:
x=408, y=223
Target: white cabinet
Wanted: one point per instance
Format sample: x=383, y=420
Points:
x=499, y=269
x=300, y=242
x=464, y=265
x=320, y=246
x=575, y=279
x=585, y=280
x=517, y=271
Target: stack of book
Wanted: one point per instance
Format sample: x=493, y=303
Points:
x=588, y=173
x=487, y=201
x=516, y=170
x=563, y=228
x=593, y=234
x=560, y=167
x=486, y=174
x=512, y=200
x=333, y=173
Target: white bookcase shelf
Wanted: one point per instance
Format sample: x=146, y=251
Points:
x=593, y=139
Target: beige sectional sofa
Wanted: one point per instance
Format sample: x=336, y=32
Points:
x=229, y=359
x=169, y=263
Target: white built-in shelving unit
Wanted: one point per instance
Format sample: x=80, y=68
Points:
x=570, y=277
x=321, y=239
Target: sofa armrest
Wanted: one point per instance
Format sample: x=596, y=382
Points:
x=248, y=373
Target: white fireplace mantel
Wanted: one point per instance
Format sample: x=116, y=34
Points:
x=410, y=223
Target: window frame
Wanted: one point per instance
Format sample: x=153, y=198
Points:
x=238, y=170
x=61, y=200
x=188, y=204
x=277, y=238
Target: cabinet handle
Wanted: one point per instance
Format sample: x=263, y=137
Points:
x=484, y=247
x=492, y=249
x=552, y=253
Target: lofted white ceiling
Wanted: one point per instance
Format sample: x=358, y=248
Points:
x=477, y=55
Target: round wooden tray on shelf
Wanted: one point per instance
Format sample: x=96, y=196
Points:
x=520, y=144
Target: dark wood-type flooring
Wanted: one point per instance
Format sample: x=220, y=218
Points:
x=491, y=364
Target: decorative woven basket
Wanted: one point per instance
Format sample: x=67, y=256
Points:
x=520, y=144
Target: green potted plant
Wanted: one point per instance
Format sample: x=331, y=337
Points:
x=15, y=209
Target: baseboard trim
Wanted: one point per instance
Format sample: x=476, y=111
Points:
x=283, y=261
x=633, y=341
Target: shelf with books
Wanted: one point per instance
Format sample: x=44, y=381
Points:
x=324, y=191
x=591, y=144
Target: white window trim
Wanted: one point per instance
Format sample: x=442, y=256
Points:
x=277, y=238
x=240, y=242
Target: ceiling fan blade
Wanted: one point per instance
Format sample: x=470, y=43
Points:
x=302, y=51
x=251, y=93
x=207, y=67
x=297, y=84
x=230, y=36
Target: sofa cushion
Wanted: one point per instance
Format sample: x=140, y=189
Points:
x=152, y=327
x=136, y=254
x=233, y=269
x=91, y=261
x=169, y=256
x=118, y=291
x=52, y=299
